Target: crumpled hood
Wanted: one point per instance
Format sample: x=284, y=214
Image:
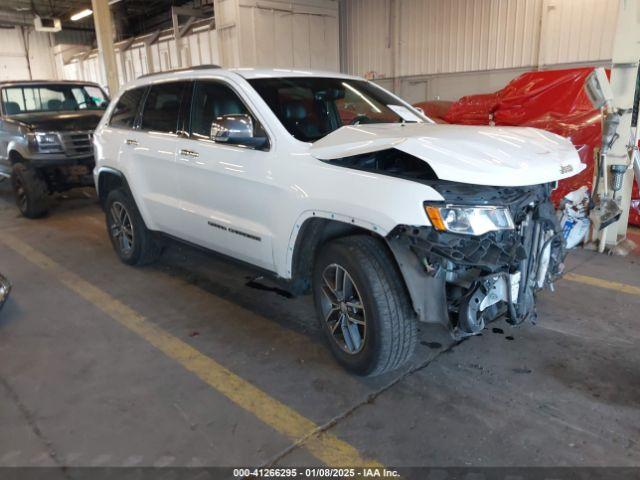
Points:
x=500, y=156
x=60, y=121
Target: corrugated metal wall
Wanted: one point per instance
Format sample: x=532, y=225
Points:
x=283, y=33
x=461, y=35
x=577, y=30
x=445, y=36
x=275, y=38
x=366, y=37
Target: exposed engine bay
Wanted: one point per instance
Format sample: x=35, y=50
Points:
x=483, y=277
x=466, y=281
x=389, y=162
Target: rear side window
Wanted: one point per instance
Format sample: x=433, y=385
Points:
x=162, y=107
x=125, y=111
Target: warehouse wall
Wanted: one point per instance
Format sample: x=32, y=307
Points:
x=133, y=59
x=13, y=59
x=274, y=33
x=430, y=49
x=278, y=33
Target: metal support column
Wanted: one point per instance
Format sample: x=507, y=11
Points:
x=106, y=51
x=624, y=68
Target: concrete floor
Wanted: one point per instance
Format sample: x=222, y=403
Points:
x=78, y=388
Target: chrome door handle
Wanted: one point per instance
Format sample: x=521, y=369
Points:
x=189, y=153
x=131, y=142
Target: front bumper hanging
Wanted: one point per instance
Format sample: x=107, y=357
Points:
x=464, y=282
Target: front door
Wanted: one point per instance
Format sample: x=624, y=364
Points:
x=227, y=189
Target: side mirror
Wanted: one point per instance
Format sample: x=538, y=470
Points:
x=233, y=128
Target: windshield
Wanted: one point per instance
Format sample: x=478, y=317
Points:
x=311, y=108
x=52, y=98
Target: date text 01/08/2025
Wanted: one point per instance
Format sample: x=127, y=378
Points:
x=315, y=473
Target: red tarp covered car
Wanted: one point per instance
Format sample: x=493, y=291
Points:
x=552, y=100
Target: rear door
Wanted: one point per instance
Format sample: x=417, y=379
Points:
x=114, y=138
x=152, y=150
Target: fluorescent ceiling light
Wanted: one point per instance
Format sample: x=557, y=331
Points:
x=84, y=13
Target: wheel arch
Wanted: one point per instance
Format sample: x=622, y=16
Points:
x=427, y=293
x=315, y=231
x=108, y=180
x=15, y=156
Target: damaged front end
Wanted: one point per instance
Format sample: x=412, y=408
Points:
x=465, y=280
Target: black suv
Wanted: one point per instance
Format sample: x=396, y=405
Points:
x=46, y=130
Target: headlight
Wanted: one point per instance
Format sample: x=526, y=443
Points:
x=46, y=141
x=469, y=220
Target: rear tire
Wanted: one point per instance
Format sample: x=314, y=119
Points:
x=131, y=239
x=31, y=191
x=371, y=327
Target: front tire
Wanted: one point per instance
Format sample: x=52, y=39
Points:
x=130, y=238
x=31, y=191
x=362, y=305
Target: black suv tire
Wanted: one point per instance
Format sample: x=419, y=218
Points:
x=130, y=237
x=31, y=191
x=377, y=299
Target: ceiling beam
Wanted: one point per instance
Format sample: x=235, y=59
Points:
x=153, y=38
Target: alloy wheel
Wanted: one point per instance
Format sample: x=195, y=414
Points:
x=121, y=228
x=342, y=309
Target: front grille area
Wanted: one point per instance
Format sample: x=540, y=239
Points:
x=77, y=143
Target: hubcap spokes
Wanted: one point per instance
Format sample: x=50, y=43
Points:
x=342, y=309
x=121, y=228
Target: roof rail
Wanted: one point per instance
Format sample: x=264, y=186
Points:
x=197, y=67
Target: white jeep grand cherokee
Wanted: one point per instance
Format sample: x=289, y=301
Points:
x=335, y=185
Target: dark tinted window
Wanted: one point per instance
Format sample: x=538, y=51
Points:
x=124, y=113
x=311, y=108
x=162, y=107
x=211, y=101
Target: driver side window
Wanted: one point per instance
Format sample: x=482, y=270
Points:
x=211, y=101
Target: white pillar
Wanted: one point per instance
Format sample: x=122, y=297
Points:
x=106, y=50
x=624, y=68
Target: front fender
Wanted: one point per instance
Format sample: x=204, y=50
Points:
x=328, y=215
x=19, y=146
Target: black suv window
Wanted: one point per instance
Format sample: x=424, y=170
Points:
x=211, y=101
x=162, y=107
x=52, y=97
x=125, y=111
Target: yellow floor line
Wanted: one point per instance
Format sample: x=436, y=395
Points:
x=598, y=282
x=324, y=446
